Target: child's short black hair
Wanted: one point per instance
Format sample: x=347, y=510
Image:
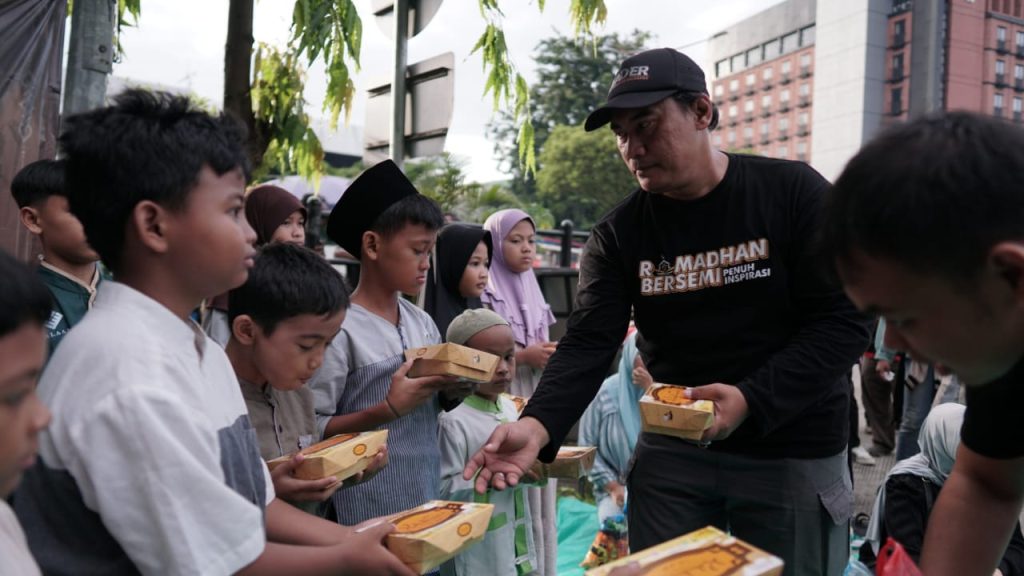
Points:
x=287, y=281
x=933, y=195
x=23, y=296
x=409, y=211
x=146, y=146
x=38, y=181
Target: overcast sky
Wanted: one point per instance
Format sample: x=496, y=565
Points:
x=181, y=43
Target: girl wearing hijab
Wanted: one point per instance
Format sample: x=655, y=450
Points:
x=459, y=275
x=276, y=216
x=612, y=425
x=911, y=488
x=513, y=292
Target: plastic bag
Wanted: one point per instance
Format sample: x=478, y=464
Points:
x=611, y=543
x=893, y=560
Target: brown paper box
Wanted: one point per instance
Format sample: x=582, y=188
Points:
x=428, y=535
x=519, y=401
x=705, y=552
x=452, y=360
x=666, y=411
x=341, y=456
x=572, y=462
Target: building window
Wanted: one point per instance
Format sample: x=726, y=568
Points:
x=754, y=56
x=786, y=67
x=1000, y=72
x=748, y=135
x=783, y=151
x=772, y=49
x=897, y=66
x=1018, y=76
x=737, y=63
x=896, y=101
x=733, y=111
x=807, y=36
x=734, y=85
x=1017, y=108
x=783, y=125
x=748, y=107
x=784, y=100
x=717, y=140
x=1000, y=37
x=790, y=42
x=719, y=90
x=766, y=127
x=805, y=64
x=1020, y=42
x=722, y=68
x=997, y=104
x=731, y=137
x=766, y=75
x=899, y=30
x=766, y=101
x=751, y=79
x=801, y=119
x=801, y=151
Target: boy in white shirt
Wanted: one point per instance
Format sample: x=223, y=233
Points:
x=24, y=308
x=150, y=464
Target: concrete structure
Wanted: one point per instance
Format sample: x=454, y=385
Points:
x=814, y=80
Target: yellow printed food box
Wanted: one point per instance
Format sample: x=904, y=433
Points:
x=705, y=552
x=519, y=401
x=341, y=456
x=452, y=360
x=428, y=535
x=666, y=410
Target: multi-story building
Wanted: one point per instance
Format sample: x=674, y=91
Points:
x=877, y=61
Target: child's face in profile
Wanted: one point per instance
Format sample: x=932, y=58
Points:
x=474, y=278
x=209, y=241
x=288, y=357
x=519, y=247
x=404, y=258
x=497, y=340
x=62, y=232
x=22, y=415
x=292, y=230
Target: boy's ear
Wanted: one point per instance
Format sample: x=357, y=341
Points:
x=243, y=329
x=30, y=219
x=149, y=221
x=371, y=244
x=1007, y=258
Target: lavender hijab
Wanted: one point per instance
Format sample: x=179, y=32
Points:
x=516, y=297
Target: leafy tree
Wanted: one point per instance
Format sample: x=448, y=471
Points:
x=582, y=175
x=331, y=31
x=573, y=76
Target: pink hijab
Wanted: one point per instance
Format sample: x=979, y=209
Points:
x=516, y=297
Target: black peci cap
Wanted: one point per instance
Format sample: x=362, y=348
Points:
x=373, y=192
x=648, y=78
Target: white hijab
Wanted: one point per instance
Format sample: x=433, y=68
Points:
x=938, y=439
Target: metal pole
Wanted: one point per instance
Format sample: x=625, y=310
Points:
x=565, y=258
x=90, y=54
x=397, y=148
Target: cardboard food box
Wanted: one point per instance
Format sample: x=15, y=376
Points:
x=452, y=360
x=341, y=456
x=572, y=462
x=428, y=535
x=666, y=410
x=706, y=552
x=519, y=401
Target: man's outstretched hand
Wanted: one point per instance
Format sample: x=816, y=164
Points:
x=508, y=454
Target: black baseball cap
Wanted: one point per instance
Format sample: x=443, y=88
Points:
x=648, y=78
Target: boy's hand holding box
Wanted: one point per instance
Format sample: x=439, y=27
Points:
x=705, y=552
x=667, y=410
x=452, y=360
x=428, y=535
x=342, y=456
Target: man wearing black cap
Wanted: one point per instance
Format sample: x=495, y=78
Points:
x=714, y=254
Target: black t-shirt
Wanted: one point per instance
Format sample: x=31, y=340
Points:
x=992, y=425
x=725, y=288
